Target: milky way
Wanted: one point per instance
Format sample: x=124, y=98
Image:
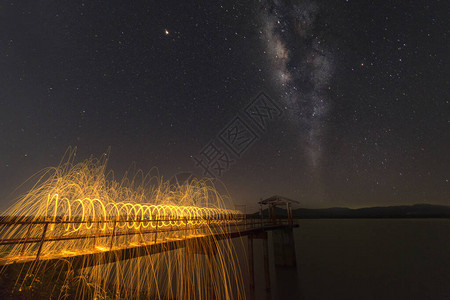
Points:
x=363, y=87
x=302, y=67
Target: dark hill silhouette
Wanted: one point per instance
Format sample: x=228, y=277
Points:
x=402, y=211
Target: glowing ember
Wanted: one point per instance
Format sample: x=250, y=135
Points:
x=80, y=208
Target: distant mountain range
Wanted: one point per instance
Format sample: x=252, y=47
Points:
x=404, y=211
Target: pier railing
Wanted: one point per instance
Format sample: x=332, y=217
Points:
x=28, y=237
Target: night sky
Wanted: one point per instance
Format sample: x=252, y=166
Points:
x=352, y=96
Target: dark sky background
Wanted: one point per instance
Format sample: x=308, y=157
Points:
x=362, y=87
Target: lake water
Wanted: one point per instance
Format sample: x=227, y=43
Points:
x=360, y=259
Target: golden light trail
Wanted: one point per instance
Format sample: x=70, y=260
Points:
x=79, y=208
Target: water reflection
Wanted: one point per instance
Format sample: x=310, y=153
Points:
x=357, y=259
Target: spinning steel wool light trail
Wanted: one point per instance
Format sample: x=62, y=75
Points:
x=79, y=208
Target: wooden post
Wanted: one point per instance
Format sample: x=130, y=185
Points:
x=274, y=216
x=26, y=239
x=251, y=269
x=266, y=261
x=261, y=213
x=112, y=235
x=245, y=221
x=156, y=231
x=284, y=247
x=42, y=240
x=96, y=233
x=291, y=221
x=141, y=238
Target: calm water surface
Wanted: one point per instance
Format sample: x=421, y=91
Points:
x=361, y=259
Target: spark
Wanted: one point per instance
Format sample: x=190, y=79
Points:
x=83, y=199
